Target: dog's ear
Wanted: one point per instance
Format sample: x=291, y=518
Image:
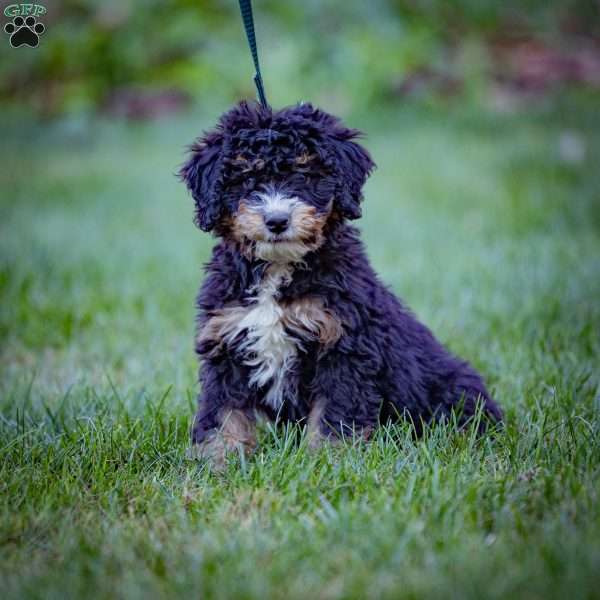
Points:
x=352, y=165
x=202, y=174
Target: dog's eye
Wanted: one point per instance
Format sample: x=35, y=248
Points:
x=252, y=199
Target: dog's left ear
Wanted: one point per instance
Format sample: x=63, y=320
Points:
x=202, y=174
x=352, y=165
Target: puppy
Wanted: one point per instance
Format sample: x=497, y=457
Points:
x=293, y=322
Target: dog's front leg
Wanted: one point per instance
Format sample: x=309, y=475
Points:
x=234, y=434
x=346, y=402
x=225, y=422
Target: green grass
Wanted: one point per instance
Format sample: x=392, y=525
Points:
x=475, y=220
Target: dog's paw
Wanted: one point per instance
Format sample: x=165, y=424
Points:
x=316, y=439
x=24, y=32
x=215, y=453
x=211, y=451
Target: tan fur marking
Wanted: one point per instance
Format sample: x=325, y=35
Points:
x=308, y=318
x=220, y=324
x=247, y=227
x=237, y=433
x=237, y=429
x=313, y=427
x=308, y=225
x=248, y=224
x=305, y=158
x=248, y=165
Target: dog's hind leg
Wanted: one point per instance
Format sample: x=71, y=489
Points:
x=455, y=393
x=469, y=398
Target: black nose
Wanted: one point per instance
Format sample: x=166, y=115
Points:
x=277, y=222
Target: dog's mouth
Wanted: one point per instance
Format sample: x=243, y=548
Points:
x=267, y=238
x=280, y=250
x=279, y=240
x=286, y=237
x=274, y=241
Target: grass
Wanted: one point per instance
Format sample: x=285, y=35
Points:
x=474, y=219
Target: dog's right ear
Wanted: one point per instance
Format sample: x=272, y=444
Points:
x=202, y=174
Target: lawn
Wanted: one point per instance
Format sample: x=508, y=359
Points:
x=487, y=225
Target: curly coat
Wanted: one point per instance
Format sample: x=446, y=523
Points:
x=302, y=329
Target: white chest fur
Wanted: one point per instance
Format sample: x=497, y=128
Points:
x=267, y=334
x=269, y=349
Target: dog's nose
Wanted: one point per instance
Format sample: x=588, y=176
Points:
x=277, y=222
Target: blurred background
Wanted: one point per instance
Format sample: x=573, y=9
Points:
x=482, y=116
x=143, y=60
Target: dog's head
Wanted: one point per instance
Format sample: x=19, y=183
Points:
x=271, y=181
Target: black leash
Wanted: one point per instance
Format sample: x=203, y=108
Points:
x=246, y=10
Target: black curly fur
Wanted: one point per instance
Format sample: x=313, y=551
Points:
x=386, y=364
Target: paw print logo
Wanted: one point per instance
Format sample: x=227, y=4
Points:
x=24, y=31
